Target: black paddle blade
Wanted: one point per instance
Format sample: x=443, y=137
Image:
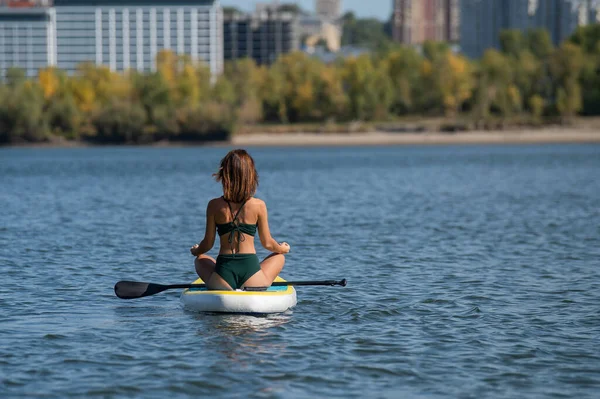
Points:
x=133, y=289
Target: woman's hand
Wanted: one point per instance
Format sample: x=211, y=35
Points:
x=284, y=247
x=195, y=250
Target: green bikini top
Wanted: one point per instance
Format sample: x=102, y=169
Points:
x=234, y=226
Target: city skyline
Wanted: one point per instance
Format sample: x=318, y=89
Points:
x=381, y=9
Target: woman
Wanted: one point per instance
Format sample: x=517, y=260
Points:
x=235, y=217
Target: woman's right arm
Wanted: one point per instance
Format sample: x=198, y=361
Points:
x=265, y=234
x=209, y=235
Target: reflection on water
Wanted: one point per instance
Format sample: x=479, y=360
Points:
x=236, y=324
x=240, y=338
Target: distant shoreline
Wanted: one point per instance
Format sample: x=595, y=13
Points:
x=553, y=135
x=542, y=136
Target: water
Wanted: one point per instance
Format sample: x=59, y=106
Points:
x=473, y=272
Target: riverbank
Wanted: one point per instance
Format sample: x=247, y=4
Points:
x=547, y=135
x=542, y=136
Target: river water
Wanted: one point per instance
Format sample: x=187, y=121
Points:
x=473, y=272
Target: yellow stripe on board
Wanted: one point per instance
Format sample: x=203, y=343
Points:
x=261, y=293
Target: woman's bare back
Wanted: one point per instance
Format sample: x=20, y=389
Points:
x=247, y=213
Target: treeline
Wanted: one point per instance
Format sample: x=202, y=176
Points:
x=527, y=79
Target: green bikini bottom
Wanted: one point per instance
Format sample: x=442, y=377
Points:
x=237, y=269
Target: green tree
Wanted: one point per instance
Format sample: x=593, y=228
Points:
x=539, y=43
x=368, y=32
x=330, y=99
x=15, y=77
x=369, y=88
x=246, y=79
x=22, y=113
x=566, y=64
x=435, y=50
x=152, y=92
x=455, y=81
x=119, y=122
x=497, y=91
x=528, y=74
x=403, y=68
x=211, y=120
x=512, y=42
x=536, y=105
x=588, y=38
x=63, y=116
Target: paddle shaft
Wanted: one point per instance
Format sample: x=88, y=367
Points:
x=277, y=284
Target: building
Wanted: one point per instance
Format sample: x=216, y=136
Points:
x=594, y=12
x=25, y=41
x=483, y=20
x=452, y=20
x=263, y=35
x=415, y=21
x=314, y=30
x=122, y=35
x=128, y=34
x=329, y=10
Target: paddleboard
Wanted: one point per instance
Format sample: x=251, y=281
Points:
x=273, y=300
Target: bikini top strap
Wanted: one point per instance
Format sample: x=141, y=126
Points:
x=235, y=216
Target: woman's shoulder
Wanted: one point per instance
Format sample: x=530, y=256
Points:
x=216, y=203
x=256, y=202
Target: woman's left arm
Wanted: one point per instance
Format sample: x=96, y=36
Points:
x=209, y=235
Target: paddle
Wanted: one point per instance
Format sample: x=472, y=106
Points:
x=134, y=289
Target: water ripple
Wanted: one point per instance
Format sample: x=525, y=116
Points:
x=473, y=272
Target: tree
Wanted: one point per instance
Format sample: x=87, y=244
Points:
x=300, y=73
x=434, y=50
x=63, y=115
x=367, y=32
x=15, y=77
x=152, y=92
x=496, y=85
x=566, y=64
x=119, y=122
x=455, y=80
x=49, y=81
x=536, y=105
x=368, y=87
x=246, y=79
x=539, y=43
x=22, y=113
x=528, y=74
x=403, y=69
x=588, y=38
x=332, y=102
x=512, y=42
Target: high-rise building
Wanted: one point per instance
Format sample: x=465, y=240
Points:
x=127, y=34
x=25, y=39
x=594, y=12
x=415, y=21
x=452, y=20
x=122, y=34
x=483, y=20
x=329, y=9
x=263, y=35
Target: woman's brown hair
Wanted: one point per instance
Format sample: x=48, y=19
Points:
x=238, y=176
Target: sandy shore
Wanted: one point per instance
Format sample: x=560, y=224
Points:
x=540, y=136
x=547, y=135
